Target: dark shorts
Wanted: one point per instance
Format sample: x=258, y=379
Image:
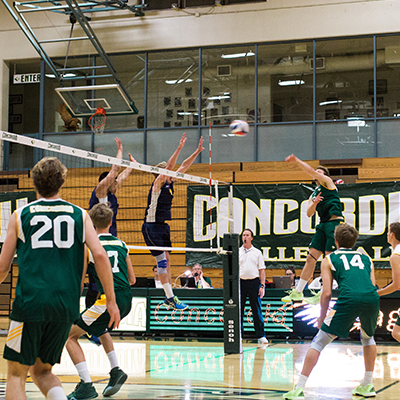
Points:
x=324, y=236
x=156, y=235
x=343, y=315
x=95, y=319
x=27, y=341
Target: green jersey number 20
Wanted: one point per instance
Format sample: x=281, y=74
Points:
x=55, y=226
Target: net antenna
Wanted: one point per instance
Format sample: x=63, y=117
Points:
x=97, y=121
x=216, y=192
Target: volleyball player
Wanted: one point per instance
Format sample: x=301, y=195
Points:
x=156, y=231
x=49, y=236
x=95, y=319
x=354, y=273
x=106, y=193
x=393, y=238
x=109, y=184
x=326, y=202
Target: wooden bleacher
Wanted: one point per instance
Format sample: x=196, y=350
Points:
x=80, y=183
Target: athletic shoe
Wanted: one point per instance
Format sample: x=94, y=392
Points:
x=293, y=295
x=262, y=340
x=94, y=339
x=174, y=303
x=365, y=391
x=117, y=379
x=83, y=391
x=295, y=394
x=315, y=299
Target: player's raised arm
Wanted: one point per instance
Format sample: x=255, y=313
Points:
x=316, y=174
x=172, y=161
x=189, y=161
x=104, y=185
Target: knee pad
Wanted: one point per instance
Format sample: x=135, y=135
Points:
x=365, y=339
x=321, y=340
x=161, y=264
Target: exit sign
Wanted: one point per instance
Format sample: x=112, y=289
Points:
x=26, y=78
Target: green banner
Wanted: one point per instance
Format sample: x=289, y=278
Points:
x=9, y=202
x=277, y=216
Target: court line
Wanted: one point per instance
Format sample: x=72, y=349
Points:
x=387, y=387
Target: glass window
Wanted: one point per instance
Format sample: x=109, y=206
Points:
x=173, y=82
x=388, y=138
x=345, y=70
x=161, y=144
x=227, y=148
x=285, y=82
x=341, y=140
x=388, y=79
x=276, y=142
x=132, y=142
x=76, y=140
x=131, y=72
x=227, y=85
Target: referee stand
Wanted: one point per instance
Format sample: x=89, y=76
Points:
x=232, y=315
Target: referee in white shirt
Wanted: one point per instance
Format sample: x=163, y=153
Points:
x=252, y=282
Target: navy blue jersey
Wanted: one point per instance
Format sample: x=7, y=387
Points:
x=159, y=204
x=112, y=202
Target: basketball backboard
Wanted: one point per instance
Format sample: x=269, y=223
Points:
x=83, y=101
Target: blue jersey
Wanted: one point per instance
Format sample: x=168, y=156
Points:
x=159, y=204
x=112, y=203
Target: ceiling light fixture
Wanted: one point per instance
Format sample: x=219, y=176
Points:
x=325, y=103
x=238, y=55
x=219, y=97
x=291, y=83
x=173, y=81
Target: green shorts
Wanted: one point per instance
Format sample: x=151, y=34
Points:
x=343, y=315
x=95, y=319
x=27, y=341
x=324, y=236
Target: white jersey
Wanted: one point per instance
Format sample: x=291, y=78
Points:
x=397, y=250
x=250, y=262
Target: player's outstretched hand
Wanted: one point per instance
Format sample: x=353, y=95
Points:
x=183, y=140
x=118, y=142
x=200, y=148
x=291, y=158
x=115, y=317
x=318, y=198
x=131, y=158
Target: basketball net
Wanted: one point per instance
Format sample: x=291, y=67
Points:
x=97, y=121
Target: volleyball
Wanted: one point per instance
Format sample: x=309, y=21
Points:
x=239, y=128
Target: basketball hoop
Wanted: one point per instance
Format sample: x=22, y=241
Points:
x=97, y=121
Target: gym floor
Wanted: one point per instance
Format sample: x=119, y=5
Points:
x=194, y=370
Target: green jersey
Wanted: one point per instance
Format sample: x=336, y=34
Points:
x=117, y=253
x=352, y=271
x=330, y=205
x=50, y=255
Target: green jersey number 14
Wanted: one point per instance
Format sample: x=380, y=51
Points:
x=354, y=262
